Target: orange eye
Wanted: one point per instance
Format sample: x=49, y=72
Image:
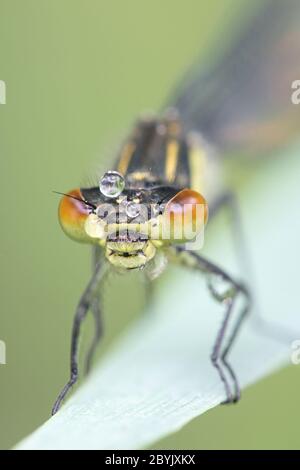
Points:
x=72, y=214
x=188, y=201
x=186, y=215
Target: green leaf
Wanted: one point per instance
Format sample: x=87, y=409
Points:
x=158, y=375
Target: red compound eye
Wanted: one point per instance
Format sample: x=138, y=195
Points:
x=72, y=214
x=190, y=201
x=186, y=214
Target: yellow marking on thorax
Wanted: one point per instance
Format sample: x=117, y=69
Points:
x=139, y=175
x=126, y=155
x=197, y=163
x=171, y=160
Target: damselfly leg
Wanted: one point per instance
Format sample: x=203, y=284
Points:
x=83, y=307
x=227, y=298
x=229, y=202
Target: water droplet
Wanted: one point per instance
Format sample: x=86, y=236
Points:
x=155, y=210
x=132, y=209
x=112, y=184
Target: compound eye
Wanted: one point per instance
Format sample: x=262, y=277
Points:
x=186, y=215
x=72, y=214
x=188, y=201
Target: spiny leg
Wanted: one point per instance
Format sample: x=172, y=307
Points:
x=239, y=288
x=216, y=352
x=80, y=315
x=236, y=328
x=227, y=298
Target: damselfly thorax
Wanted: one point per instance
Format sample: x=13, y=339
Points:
x=150, y=200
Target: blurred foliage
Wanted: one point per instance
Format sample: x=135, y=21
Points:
x=77, y=74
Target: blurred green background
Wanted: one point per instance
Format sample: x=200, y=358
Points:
x=77, y=74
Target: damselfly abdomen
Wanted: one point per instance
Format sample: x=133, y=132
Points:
x=152, y=206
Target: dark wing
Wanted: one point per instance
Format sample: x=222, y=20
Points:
x=243, y=102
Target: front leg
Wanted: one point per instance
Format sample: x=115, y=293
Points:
x=227, y=297
x=81, y=312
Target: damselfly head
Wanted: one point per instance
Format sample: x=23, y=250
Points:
x=131, y=223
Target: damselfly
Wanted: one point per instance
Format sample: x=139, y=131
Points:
x=153, y=204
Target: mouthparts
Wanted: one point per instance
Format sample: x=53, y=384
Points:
x=127, y=236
